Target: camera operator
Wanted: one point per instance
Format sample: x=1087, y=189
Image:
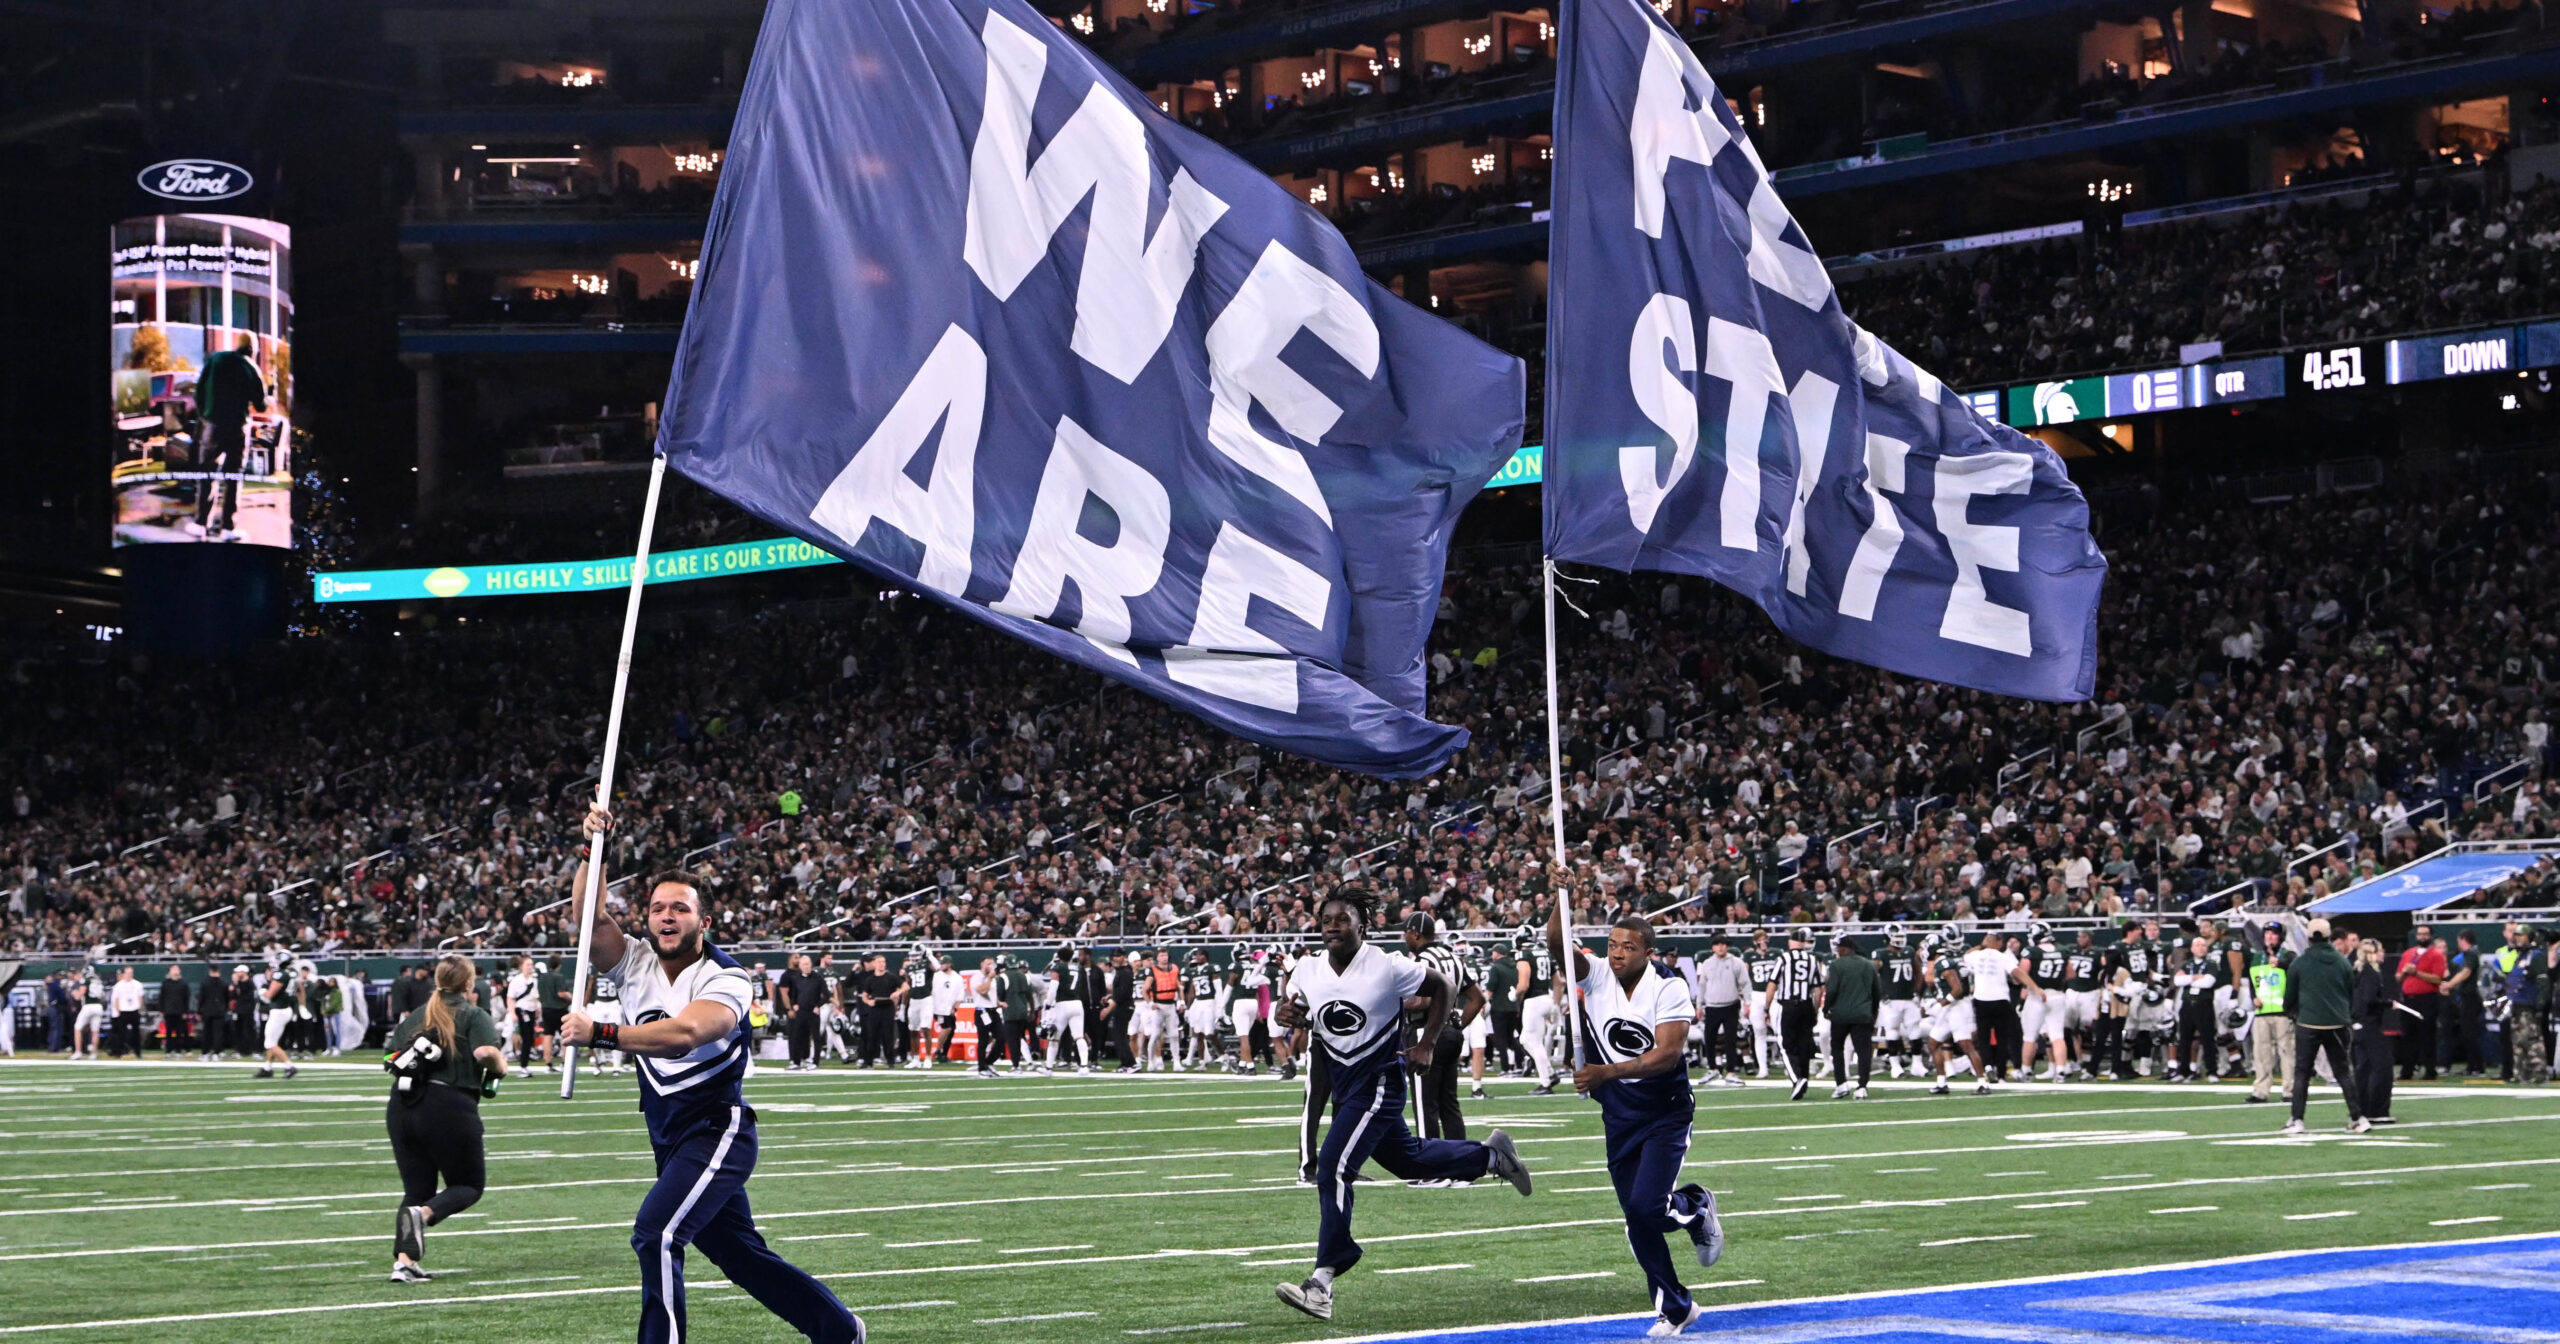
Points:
x=445, y=1056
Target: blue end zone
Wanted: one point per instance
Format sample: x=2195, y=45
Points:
x=2502, y=1290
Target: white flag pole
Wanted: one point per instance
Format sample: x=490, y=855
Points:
x=604, y=772
x=1555, y=815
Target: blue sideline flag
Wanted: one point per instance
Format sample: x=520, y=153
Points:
x=973, y=314
x=1712, y=411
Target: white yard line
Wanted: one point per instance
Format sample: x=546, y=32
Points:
x=1186, y=1329
x=1425, y=1269
x=1043, y=1316
x=1567, y=1278
x=2192, y=1208
x=873, y=1210
x=1965, y=1241
x=2309, y=1217
x=2466, y=1222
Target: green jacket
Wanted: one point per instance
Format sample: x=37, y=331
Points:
x=2316, y=987
x=229, y=387
x=1849, y=992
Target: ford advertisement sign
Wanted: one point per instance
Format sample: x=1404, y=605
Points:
x=195, y=180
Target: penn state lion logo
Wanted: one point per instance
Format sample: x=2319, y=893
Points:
x=1342, y=1018
x=1629, y=1038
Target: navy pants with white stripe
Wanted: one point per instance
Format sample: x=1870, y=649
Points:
x=1644, y=1165
x=1368, y=1121
x=700, y=1200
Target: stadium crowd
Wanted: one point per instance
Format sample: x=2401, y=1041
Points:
x=2409, y=256
x=882, y=768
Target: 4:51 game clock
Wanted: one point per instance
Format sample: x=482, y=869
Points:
x=2338, y=368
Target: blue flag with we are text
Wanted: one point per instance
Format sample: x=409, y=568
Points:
x=973, y=314
x=1712, y=411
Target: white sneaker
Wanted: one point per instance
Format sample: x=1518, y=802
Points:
x=2294, y=1129
x=1860, y=1094
x=1841, y=1093
x=1664, y=1325
x=2361, y=1126
x=1311, y=1297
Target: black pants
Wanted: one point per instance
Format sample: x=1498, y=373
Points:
x=1002, y=1036
x=2106, y=1047
x=1506, y=1040
x=244, y=1034
x=1720, y=1033
x=1436, y=1092
x=213, y=1024
x=173, y=1032
x=2460, y=1038
x=2374, y=1055
x=1995, y=1034
x=1861, y=1038
x=528, y=1026
x=879, y=1042
x=2416, y=1044
x=2308, y=1044
x=1795, y=1035
x=224, y=443
x=439, y=1136
x=2195, y=1046
x=804, y=1036
x=124, y=1034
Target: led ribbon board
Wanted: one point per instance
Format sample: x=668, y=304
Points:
x=1526, y=467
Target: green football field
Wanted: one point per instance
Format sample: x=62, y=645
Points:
x=184, y=1201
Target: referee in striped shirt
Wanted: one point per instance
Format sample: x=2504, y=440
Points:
x=1792, y=989
x=1436, y=1093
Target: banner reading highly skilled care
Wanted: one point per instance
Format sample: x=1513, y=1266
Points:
x=973, y=313
x=566, y=576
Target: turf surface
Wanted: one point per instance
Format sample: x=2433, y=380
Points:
x=946, y=1207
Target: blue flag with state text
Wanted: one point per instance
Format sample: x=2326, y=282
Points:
x=1712, y=411
x=973, y=314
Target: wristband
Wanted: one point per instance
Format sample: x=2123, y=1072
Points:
x=606, y=1032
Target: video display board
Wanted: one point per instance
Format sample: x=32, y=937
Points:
x=201, y=376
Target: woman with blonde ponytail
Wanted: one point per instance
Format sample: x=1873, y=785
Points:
x=444, y=1056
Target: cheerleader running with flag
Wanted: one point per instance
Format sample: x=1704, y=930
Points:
x=1635, y=1035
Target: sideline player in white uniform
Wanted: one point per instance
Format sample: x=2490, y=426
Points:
x=2045, y=1016
x=1762, y=959
x=915, y=1006
x=604, y=1005
x=1066, y=987
x=1479, y=1029
x=687, y=1004
x=1204, y=1009
x=949, y=987
x=1351, y=997
x=1949, y=1022
x=1898, y=1030
x=1637, y=1037
x=1541, y=1010
x=1246, y=983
